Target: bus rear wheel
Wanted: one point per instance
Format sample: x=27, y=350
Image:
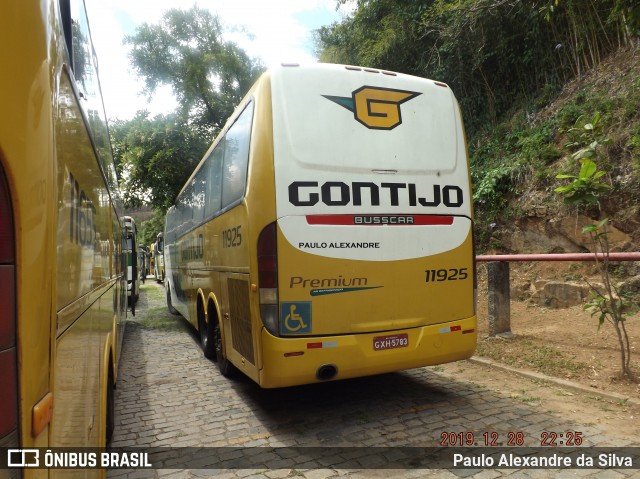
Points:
x=207, y=338
x=224, y=365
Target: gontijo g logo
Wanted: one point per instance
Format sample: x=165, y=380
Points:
x=375, y=107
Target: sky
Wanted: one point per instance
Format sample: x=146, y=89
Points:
x=275, y=31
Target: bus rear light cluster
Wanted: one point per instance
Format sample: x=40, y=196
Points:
x=268, y=278
x=8, y=356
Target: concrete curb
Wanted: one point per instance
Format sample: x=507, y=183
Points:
x=557, y=381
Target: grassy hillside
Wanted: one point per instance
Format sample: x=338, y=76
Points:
x=514, y=165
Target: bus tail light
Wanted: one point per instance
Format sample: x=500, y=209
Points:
x=8, y=356
x=268, y=278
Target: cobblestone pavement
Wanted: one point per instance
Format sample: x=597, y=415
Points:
x=169, y=396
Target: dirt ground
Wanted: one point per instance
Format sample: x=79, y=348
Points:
x=561, y=343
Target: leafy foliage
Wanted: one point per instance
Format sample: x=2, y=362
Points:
x=185, y=50
x=155, y=157
x=149, y=229
x=586, y=188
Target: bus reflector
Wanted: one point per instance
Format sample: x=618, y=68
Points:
x=42, y=414
x=322, y=344
x=268, y=278
x=450, y=329
x=293, y=353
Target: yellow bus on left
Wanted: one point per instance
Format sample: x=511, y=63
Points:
x=63, y=290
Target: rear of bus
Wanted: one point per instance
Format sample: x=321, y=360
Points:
x=159, y=255
x=373, y=239
x=131, y=254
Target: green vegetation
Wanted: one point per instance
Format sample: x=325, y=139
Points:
x=585, y=190
x=155, y=157
x=208, y=75
x=160, y=319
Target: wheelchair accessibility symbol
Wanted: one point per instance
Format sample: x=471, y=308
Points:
x=295, y=318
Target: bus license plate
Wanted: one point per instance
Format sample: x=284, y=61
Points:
x=381, y=343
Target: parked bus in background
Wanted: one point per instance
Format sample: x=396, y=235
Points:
x=130, y=250
x=158, y=248
x=152, y=259
x=327, y=232
x=143, y=261
x=63, y=290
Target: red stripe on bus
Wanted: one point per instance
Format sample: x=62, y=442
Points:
x=420, y=220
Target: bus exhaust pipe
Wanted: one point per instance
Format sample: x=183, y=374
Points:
x=326, y=372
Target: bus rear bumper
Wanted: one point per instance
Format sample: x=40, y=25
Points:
x=294, y=361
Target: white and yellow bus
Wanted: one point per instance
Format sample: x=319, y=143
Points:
x=62, y=289
x=327, y=232
x=130, y=251
x=158, y=253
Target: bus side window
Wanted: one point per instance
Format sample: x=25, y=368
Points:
x=65, y=14
x=213, y=168
x=187, y=207
x=199, y=192
x=85, y=72
x=236, y=158
x=81, y=50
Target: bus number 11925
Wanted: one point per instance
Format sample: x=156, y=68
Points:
x=232, y=237
x=439, y=275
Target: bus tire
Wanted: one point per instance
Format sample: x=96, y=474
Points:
x=224, y=365
x=170, y=307
x=207, y=334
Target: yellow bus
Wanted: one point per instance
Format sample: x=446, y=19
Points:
x=130, y=251
x=158, y=253
x=63, y=295
x=327, y=232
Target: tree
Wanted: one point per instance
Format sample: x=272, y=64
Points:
x=155, y=157
x=185, y=50
x=380, y=33
x=585, y=189
x=149, y=229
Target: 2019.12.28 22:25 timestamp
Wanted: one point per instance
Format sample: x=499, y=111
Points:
x=510, y=439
